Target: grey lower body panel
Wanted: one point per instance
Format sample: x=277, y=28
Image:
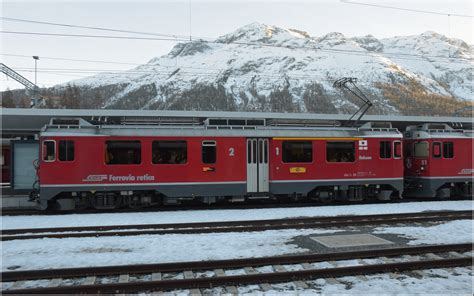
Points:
x=170, y=190
x=218, y=189
x=303, y=187
x=427, y=187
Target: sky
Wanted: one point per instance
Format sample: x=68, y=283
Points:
x=196, y=18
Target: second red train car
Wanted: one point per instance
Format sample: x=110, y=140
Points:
x=118, y=165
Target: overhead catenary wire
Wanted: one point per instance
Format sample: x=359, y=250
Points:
x=91, y=36
x=275, y=76
x=178, y=38
x=90, y=27
x=165, y=70
x=211, y=71
x=69, y=59
x=313, y=48
x=60, y=74
x=406, y=9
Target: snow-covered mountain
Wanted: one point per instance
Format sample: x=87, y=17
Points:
x=267, y=68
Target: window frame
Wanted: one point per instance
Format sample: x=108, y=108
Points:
x=43, y=151
x=297, y=141
x=390, y=154
x=74, y=150
x=339, y=162
x=395, y=150
x=128, y=164
x=181, y=140
x=208, y=143
x=427, y=147
x=437, y=143
x=452, y=149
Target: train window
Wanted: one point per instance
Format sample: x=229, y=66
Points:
x=265, y=151
x=340, y=151
x=297, y=151
x=448, y=149
x=49, y=151
x=385, y=149
x=254, y=148
x=123, y=152
x=249, y=151
x=436, y=150
x=66, y=150
x=169, y=152
x=397, y=149
x=421, y=149
x=209, y=151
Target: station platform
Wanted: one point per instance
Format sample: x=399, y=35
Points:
x=11, y=202
x=11, y=199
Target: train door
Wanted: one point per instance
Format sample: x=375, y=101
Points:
x=257, y=165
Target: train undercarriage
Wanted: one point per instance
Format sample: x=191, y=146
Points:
x=136, y=199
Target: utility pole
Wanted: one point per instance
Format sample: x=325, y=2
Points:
x=36, y=58
x=35, y=99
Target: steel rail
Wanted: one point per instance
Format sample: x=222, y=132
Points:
x=10, y=276
x=238, y=226
x=247, y=205
x=233, y=223
x=276, y=277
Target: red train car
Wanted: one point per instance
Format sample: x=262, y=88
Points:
x=438, y=161
x=118, y=165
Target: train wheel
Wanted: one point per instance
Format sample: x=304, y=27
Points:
x=134, y=202
x=83, y=202
x=106, y=201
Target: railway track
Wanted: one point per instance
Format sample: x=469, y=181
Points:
x=254, y=204
x=228, y=274
x=231, y=226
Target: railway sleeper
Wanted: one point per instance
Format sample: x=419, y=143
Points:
x=332, y=276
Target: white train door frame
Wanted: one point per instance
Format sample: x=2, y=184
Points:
x=257, y=165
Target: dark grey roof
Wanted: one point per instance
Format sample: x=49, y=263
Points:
x=30, y=121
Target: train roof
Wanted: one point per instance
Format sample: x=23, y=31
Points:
x=30, y=121
x=436, y=131
x=219, y=128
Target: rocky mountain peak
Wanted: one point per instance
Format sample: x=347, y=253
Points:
x=262, y=33
x=434, y=36
x=332, y=39
x=248, y=33
x=369, y=43
x=235, y=73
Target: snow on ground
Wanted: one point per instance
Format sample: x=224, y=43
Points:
x=453, y=232
x=91, y=251
x=40, y=221
x=438, y=281
x=76, y=252
x=435, y=281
